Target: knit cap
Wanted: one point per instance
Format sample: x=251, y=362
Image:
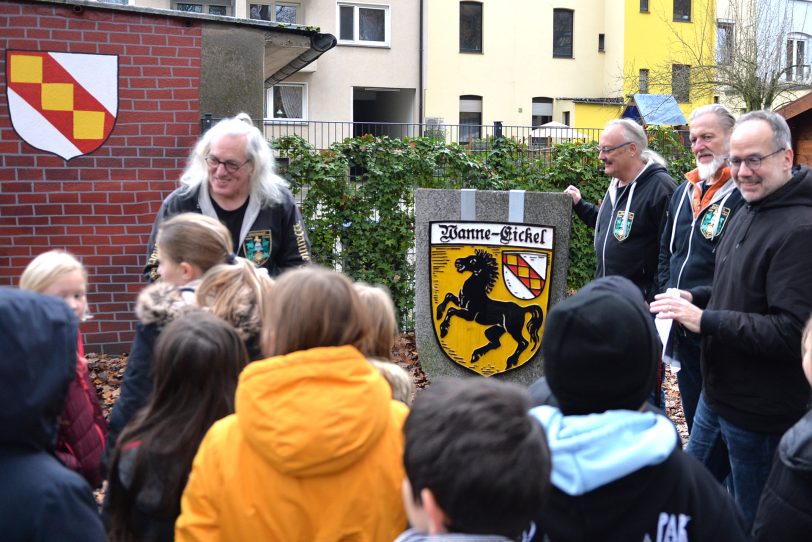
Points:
x=601, y=348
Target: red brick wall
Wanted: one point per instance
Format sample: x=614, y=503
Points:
x=100, y=206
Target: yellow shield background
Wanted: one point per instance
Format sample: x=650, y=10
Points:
x=464, y=335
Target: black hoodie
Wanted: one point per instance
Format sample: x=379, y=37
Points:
x=632, y=252
x=760, y=300
x=39, y=498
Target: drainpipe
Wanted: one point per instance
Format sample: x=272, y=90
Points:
x=420, y=115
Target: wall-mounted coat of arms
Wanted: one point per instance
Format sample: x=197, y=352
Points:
x=489, y=291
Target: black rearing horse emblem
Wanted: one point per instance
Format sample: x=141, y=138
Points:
x=473, y=304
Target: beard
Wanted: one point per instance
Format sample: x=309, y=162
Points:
x=707, y=171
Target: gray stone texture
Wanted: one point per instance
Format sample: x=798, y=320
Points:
x=543, y=209
x=231, y=68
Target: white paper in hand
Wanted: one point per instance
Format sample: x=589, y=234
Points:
x=664, y=331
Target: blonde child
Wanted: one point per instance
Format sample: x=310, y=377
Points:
x=314, y=449
x=82, y=428
x=189, y=244
x=237, y=293
x=785, y=509
x=378, y=347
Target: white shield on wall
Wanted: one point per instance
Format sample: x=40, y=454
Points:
x=62, y=103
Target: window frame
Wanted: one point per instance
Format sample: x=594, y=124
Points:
x=571, y=13
x=678, y=96
x=543, y=100
x=473, y=134
x=272, y=5
x=643, y=75
x=356, y=41
x=270, y=114
x=481, y=24
x=205, y=6
x=796, y=71
x=682, y=18
x=725, y=58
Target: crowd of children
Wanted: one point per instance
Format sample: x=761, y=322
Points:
x=260, y=409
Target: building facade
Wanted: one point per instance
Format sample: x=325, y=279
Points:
x=573, y=62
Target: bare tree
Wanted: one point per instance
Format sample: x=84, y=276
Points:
x=743, y=51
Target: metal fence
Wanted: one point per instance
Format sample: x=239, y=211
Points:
x=476, y=138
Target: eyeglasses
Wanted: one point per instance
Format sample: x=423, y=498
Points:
x=607, y=150
x=230, y=165
x=753, y=162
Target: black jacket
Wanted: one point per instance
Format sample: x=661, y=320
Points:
x=621, y=475
x=785, y=510
x=761, y=298
x=279, y=225
x=634, y=253
x=40, y=499
x=688, y=246
x=157, y=306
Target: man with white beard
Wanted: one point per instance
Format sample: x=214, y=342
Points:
x=697, y=215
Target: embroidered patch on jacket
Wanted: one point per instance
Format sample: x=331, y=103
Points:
x=622, y=227
x=257, y=246
x=707, y=228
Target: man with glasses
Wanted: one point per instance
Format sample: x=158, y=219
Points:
x=629, y=221
x=230, y=177
x=698, y=215
x=754, y=388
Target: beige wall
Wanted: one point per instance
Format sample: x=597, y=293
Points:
x=517, y=62
x=330, y=86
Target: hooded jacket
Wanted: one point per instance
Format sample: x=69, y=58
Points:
x=279, y=224
x=40, y=499
x=695, y=225
x=628, y=225
x=313, y=453
x=785, y=510
x=620, y=475
x=761, y=298
x=82, y=428
x=157, y=306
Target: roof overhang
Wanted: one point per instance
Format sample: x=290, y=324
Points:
x=288, y=47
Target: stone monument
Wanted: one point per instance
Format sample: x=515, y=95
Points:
x=489, y=265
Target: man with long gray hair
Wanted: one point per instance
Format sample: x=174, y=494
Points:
x=230, y=177
x=699, y=212
x=750, y=320
x=629, y=221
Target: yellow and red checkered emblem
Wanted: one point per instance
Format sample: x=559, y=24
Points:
x=62, y=103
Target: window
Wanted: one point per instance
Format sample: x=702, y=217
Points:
x=601, y=43
x=470, y=27
x=644, y=6
x=797, y=68
x=565, y=117
x=682, y=10
x=363, y=24
x=724, y=43
x=218, y=7
x=562, y=33
x=287, y=101
x=681, y=82
x=643, y=81
x=470, y=118
x=542, y=111
x=280, y=12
